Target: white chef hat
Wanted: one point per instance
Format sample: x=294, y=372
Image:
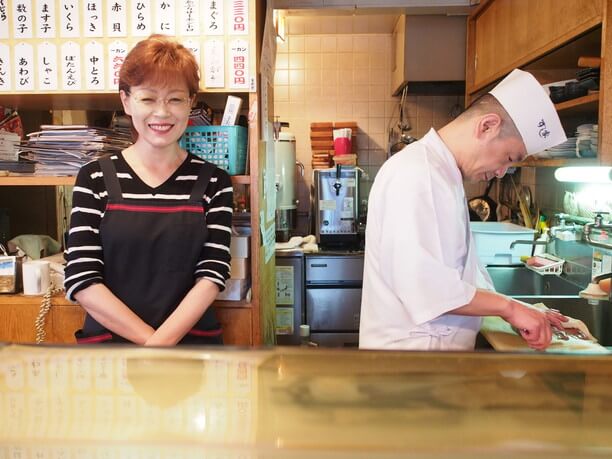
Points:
x=531, y=109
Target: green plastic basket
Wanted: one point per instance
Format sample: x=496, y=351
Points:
x=224, y=146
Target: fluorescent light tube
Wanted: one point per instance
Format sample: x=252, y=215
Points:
x=584, y=174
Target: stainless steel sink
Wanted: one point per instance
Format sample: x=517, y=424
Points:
x=521, y=281
x=557, y=293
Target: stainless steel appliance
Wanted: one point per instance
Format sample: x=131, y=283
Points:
x=333, y=298
x=289, y=297
x=285, y=180
x=336, y=206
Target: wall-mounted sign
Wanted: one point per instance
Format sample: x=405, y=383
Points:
x=71, y=66
x=47, y=66
x=24, y=67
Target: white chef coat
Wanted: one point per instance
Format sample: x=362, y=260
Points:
x=420, y=258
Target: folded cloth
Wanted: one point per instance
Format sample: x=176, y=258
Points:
x=292, y=243
x=305, y=244
x=35, y=246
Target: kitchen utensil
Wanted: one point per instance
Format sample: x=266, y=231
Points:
x=483, y=208
x=524, y=207
x=526, y=191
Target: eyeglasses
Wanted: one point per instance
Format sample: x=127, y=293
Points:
x=174, y=102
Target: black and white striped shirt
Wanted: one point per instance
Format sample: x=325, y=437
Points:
x=84, y=256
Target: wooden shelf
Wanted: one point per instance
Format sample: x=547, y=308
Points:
x=241, y=179
x=35, y=180
x=580, y=105
x=557, y=162
x=39, y=180
x=232, y=304
x=102, y=101
x=63, y=101
x=584, y=104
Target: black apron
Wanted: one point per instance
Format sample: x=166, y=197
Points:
x=150, y=251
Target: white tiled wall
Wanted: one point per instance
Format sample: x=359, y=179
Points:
x=324, y=72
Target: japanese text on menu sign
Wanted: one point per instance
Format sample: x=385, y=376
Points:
x=62, y=45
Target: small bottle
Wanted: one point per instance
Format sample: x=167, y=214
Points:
x=540, y=249
x=305, y=335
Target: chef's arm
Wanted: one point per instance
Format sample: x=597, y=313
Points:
x=185, y=316
x=110, y=312
x=534, y=325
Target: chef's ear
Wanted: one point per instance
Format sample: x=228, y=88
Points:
x=488, y=126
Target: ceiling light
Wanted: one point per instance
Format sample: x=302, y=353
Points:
x=584, y=174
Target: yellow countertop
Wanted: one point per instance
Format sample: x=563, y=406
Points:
x=127, y=401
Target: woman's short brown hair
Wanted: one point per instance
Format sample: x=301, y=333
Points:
x=159, y=60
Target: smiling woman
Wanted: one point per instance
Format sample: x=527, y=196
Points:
x=148, y=246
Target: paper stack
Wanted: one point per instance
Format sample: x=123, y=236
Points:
x=62, y=150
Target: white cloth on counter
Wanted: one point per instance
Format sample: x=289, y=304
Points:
x=420, y=257
x=307, y=244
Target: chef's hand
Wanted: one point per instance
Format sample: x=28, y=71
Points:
x=555, y=318
x=533, y=325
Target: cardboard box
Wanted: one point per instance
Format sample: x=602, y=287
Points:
x=235, y=290
x=493, y=241
x=240, y=268
x=239, y=247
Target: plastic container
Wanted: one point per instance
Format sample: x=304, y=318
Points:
x=493, y=241
x=224, y=146
x=304, y=335
x=541, y=249
x=553, y=267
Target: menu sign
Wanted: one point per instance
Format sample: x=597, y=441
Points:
x=45, y=19
x=80, y=45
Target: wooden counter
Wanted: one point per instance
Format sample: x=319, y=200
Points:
x=18, y=315
x=129, y=401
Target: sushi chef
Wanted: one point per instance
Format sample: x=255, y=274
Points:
x=423, y=286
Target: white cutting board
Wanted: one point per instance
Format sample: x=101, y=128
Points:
x=500, y=335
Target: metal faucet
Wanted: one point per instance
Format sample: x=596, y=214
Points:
x=337, y=184
x=562, y=225
x=598, y=223
x=528, y=243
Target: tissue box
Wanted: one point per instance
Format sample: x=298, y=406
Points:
x=235, y=290
x=493, y=240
